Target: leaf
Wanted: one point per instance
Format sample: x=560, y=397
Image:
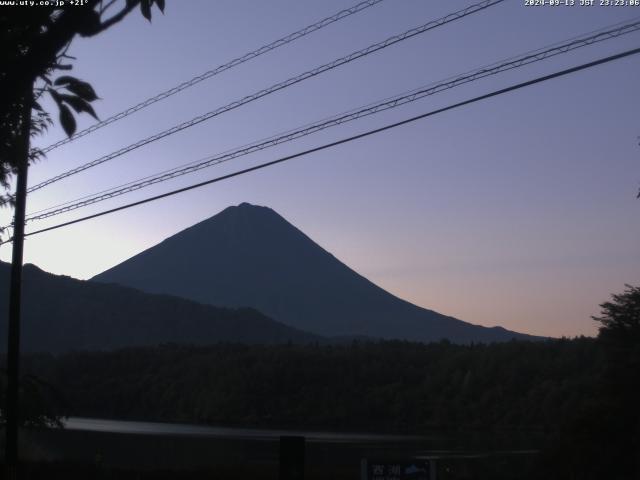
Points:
x=83, y=90
x=63, y=80
x=145, y=8
x=55, y=95
x=67, y=121
x=90, y=24
x=79, y=105
x=160, y=4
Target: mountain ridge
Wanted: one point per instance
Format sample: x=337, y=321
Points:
x=60, y=314
x=249, y=255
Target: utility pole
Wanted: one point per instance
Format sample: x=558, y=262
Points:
x=15, y=292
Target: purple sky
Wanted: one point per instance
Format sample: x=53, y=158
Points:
x=519, y=211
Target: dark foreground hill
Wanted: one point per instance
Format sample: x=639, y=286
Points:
x=250, y=256
x=61, y=314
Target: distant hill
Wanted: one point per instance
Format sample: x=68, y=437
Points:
x=62, y=314
x=250, y=256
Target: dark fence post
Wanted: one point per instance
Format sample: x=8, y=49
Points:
x=292, y=458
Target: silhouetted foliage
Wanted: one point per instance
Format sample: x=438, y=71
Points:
x=620, y=322
x=388, y=386
x=35, y=40
x=619, y=336
x=41, y=404
x=555, y=391
x=601, y=439
x=578, y=397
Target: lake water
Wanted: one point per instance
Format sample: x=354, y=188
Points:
x=157, y=428
x=254, y=453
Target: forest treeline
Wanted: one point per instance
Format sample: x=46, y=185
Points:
x=582, y=394
x=381, y=386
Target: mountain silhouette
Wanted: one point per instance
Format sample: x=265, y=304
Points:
x=250, y=256
x=60, y=314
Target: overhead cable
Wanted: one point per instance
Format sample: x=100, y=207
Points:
x=274, y=88
x=342, y=141
x=387, y=104
x=217, y=70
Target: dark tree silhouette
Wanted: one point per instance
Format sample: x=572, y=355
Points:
x=34, y=48
x=620, y=320
x=619, y=337
x=34, y=40
x=42, y=405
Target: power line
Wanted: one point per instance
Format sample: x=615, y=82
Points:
x=217, y=70
x=593, y=36
x=387, y=104
x=518, y=86
x=279, y=86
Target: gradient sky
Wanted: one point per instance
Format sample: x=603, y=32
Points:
x=518, y=211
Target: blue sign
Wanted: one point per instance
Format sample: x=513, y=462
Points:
x=398, y=470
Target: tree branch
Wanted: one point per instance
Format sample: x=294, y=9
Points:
x=106, y=7
x=116, y=18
